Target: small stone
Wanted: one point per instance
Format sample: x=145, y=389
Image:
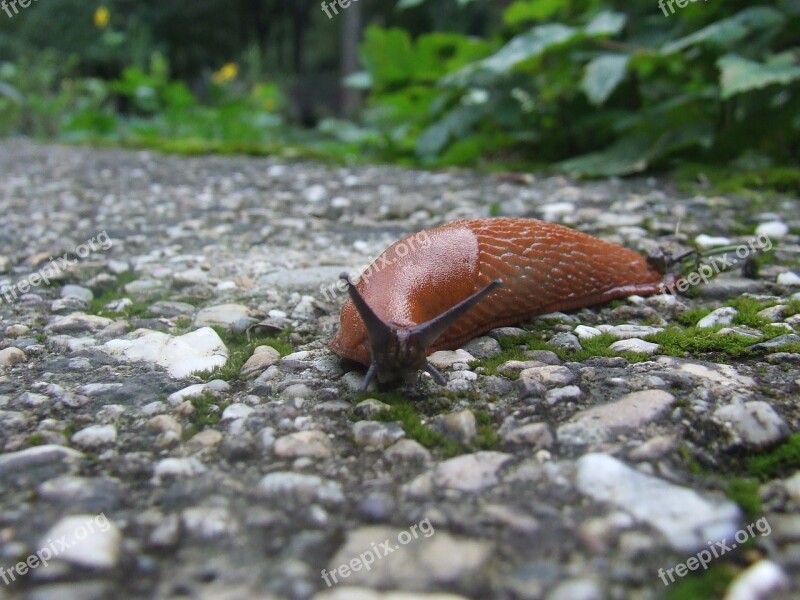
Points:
x=683, y=517
x=263, y=357
x=567, y=341
x=298, y=390
x=209, y=522
x=408, y=451
x=720, y=316
x=760, y=581
x=654, y=448
x=376, y=434
x=585, y=333
x=193, y=391
x=577, y=589
x=230, y=316
x=312, y=443
x=483, y=347
x=772, y=229
x=470, y=472
x=17, y=331
x=300, y=488
x=181, y=356
x=218, y=385
x=774, y=313
x=370, y=407
x=90, y=541
x=444, y=359
x=166, y=423
x=778, y=342
x=569, y=392
x=549, y=375
x=76, y=291
x=753, y=424
x=624, y=332
x=205, y=439
x=635, y=345
x=629, y=413
x=461, y=426
x=11, y=356
x=177, y=467
x=788, y=278
x=707, y=241
x=534, y=435
x=169, y=309
x=78, y=323
x=792, y=485
x=237, y=411
x=95, y=436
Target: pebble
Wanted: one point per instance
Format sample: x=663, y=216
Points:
x=461, y=426
x=635, y=345
x=566, y=341
x=263, y=357
x=549, y=375
x=77, y=291
x=752, y=424
x=90, y=541
x=720, y=316
x=788, y=278
x=470, y=472
x=370, y=407
x=181, y=356
x=177, y=467
x=760, y=581
x=377, y=434
x=586, y=333
x=95, y=436
x=568, y=392
x=482, y=348
x=407, y=451
x=772, y=229
x=11, y=356
x=444, y=359
x=312, y=443
x=630, y=331
x=300, y=488
x=685, y=519
x=229, y=316
x=626, y=415
x=534, y=435
x=237, y=410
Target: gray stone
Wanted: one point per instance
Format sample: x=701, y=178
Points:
x=470, y=472
x=635, y=345
x=312, y=443
x=300, y=488
x=461, y=426
x=483, y=347
x=91, y=541
x=230, y=316
x=377, y=434
x=753, y=424
x=685, y=519
x=95, y=436
x=11, y=356
x=534, y=435
x=626, y=415
x=567, y=341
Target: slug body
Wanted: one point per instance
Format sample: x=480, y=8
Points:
x=535, y=266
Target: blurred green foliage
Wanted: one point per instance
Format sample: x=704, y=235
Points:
x=592, y=87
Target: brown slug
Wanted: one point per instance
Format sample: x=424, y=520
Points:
x=473, y=276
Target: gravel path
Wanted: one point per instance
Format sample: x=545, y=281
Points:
x=173, y=425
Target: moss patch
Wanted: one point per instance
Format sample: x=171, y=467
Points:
x=781, y=460
x=240, y=349
x=116, y=291
x=745, y=493
x=207, y=413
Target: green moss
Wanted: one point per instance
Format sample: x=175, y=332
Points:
x=702, y=585
x=692, y=316
x=35, y=439
x=745, y=493
x=781, y=460
x=679, y=341
x=404, y=411
x=748, y=311
x=240, y=349
x=207, y=413
x=116, y=291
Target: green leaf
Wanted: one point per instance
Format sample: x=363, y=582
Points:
x=456, y=124
x=531, y=10
x=388, y=55
x=406, y=4
x=739, y=75
x=607, y=23
x=628, y=155
x=728, y=32
x=525, y=46
x=602, y=76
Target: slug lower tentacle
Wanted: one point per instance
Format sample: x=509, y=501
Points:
x=473, y=276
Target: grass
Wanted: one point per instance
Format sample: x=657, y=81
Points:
x=400, y=409
x=116, y=291
x=744, y=492
x=779, y=461
x=240, y=349
x=207, y=413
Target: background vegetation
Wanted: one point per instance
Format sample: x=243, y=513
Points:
x=589, y=87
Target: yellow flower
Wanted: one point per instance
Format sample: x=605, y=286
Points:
x=101, y=17
x=228, y=72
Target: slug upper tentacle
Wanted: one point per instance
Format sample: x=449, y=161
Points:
x=476, y=275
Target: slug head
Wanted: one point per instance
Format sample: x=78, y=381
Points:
x=395, y=349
